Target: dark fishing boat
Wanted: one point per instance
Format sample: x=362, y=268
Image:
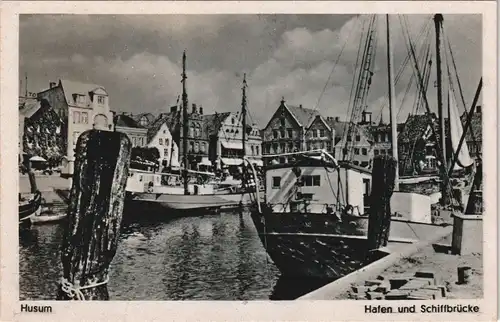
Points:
x=29, y=206
x=308, y=229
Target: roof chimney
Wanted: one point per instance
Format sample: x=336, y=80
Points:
x=337, y=119
x=201, y=110
x=173, y=109
x=52, y=84
x=194, y=108
x=300, y=105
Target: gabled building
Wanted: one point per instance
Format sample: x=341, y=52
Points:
x=320, y=135
x=225, y=132
x=136, y=133
x=159, y=137
x=286, y=131
x=197, y=137
x=359, y=147
x=418, y=146
x=81, y=107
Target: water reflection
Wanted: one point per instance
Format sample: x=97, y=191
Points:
x=217, y=257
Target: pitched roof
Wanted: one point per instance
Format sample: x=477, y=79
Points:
x=29, y=108
x=156, y=126
x=414, y=127
x=150, y=117
x=213, y=122
x=303, y=115
x=72, y=87
x=338, y=126
x=125, y=121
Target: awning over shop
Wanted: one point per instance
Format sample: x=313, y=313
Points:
x=232, y=161
x=37, y=158
x=205, y=161
x=232, y=145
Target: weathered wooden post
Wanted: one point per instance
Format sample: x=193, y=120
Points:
x=94, y=214
x=379, y=222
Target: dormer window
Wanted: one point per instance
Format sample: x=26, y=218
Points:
x=79, y=99
x=101, y=100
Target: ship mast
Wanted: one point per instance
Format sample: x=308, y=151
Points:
x=184, y=124
x=438, y=21
x=244, y=113
x=392, y=101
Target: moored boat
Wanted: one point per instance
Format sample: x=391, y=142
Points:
x=313, y=224
x=29, y=205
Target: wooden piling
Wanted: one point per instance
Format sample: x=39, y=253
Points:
x=379, y=221
x=94, y=214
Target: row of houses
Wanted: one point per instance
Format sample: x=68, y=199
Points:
x=296, y=128
x=51, y=123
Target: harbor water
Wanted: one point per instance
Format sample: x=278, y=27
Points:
x=217, y=257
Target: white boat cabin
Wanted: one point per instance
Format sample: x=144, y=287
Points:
x=312, y=185
x=140, y=181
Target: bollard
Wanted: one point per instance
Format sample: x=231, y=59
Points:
x=379, y=221
x=94, y=214
x=464, y=274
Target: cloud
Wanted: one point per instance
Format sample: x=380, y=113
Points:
x=138, y=59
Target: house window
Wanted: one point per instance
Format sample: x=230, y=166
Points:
x=165, y=153
x=314, y=134
x=358, y=138
x=282, y=133
x=282, y=147
x=356, y=151
x=322, y=133
x=196, y=147
x=76, y=117
x=166, y=142
x=364, y=151
x=386, y=137
x=349, y=138
x=375, y=152
x=382, y=151
x=160, y=141
x=101, y=100
x=203, y=147
x=310, y=181
x=282, y=122
x=84, y=118
x=257, y=150
x=252, y=149
x=282, y=160
x=232, y=121
x=275, y=134
x=275, y=147
x=290, y=133
x=191, y=146
x=276, y=182
x=328, y=146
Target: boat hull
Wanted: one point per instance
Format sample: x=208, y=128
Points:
x=321, y=247
x=190, y=202
x=32, y=208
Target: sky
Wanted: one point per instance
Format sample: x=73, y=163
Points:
x=307, y=59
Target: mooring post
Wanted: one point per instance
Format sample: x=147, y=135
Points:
x=379, y=221
x=94, y=214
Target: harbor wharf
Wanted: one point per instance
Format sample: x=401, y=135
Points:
x=434, y=257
